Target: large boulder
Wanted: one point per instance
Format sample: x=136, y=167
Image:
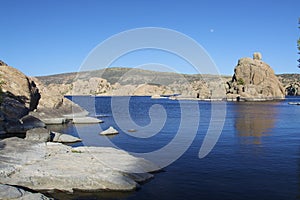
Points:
x=253, y=79
x=19, y=87
x=54, y=166
x=38, y=134
x=19, y=95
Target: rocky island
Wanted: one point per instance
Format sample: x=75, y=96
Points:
x=254, y=80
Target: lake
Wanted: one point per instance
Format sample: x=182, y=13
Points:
x=257, y=155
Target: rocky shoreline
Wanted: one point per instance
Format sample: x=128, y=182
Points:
x=40, y=162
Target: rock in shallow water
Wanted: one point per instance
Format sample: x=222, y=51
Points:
x=49, y=166
x=110, y=131
x=254, y=80
x=64, y=138
x=86, y=120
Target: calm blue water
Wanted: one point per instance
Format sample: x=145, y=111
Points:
x=256, y=157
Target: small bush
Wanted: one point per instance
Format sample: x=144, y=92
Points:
x=240, y=81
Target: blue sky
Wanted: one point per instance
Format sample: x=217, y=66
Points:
x=55, y=36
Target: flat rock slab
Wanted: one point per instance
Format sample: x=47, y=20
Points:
x=50, y=166
x=49, y=117
x=53, y=121
x=86, y=120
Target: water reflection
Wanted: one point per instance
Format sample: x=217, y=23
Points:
x=254, y=120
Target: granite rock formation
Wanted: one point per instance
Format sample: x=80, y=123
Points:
x=254, y=80
x=37, y=164
x=291, y=83
x=54, y=166
x=19, y=95
x=18, y=92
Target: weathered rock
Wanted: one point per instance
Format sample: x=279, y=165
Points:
x=19, y=87
x=48, y=117
x=53, y=104
x=22, y=125
x=13, y=126
x=38, y=134
x=150, y=90
x=8, y=192
x=291, y=83
x=12, y=108
x=64, y=138
x=19, y=96
x=58, y=116
x=257, y=56
x=110, y=131
x=293, y=89
x=93, y=86
x=30, y=122
x=49, y=166
x=254, y=80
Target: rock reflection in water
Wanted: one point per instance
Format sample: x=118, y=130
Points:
x=254, y=120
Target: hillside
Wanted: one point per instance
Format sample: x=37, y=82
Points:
x=125, y=76
x=287, y=79
x=125, y=81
